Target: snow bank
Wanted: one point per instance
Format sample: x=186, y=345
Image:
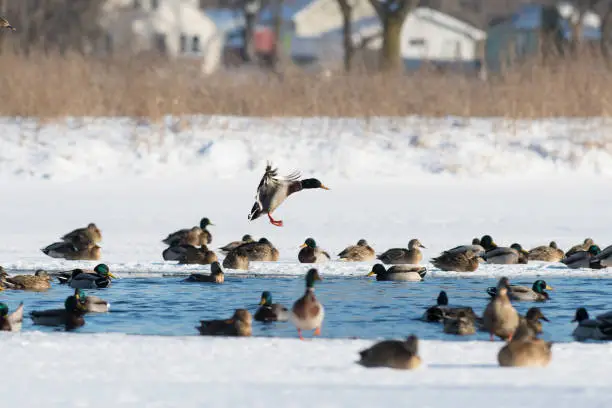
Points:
x=66, y=370
x=377, y=148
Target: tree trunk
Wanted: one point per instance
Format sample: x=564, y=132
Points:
x=391, y=48
x=347, y=33
x=249, y=26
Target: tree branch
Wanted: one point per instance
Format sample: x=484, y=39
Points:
x=378, y=7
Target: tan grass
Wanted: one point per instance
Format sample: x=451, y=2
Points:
x=50, y=86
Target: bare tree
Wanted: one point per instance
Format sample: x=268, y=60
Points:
x=392, y=14
x=347, y=16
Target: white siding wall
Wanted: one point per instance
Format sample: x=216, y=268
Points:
x=324, y=15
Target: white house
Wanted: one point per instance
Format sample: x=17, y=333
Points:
x=176, y=28
x=427, y=35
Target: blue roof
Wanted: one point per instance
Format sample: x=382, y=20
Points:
x=529, y=17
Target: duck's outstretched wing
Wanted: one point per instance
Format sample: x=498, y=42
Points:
x=268, y=186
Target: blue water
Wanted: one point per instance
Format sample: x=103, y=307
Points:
x=356, y=307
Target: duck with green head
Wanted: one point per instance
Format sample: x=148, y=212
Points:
x=71, y=316
x=100, y=277
x=92, y=304
x=307, y=312
x=269, y=311
x=274, y=190
x=396, y=256
x=546, y=253
x=358, y=253
x=515, y=254
x=599, y=328
x=488, y=243
x=11, y=321
x=311, y=253
x=602, y=259
x=537, y=292
x=399, y=273
x=583, y=259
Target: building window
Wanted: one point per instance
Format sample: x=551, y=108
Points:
x=183, y=43
x=137, y=4
x=417, y=42
x=195, y=44
x=160, y=43
x=154, y=4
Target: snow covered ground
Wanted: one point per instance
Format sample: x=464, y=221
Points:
x=444, y=181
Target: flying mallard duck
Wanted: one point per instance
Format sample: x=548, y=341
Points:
x=270, y=312
x=525, y=351
x=584, y=259
x=197, y=256
x=40, y=281
x=311, y=253
x=537, y=292
x=92, y=304
x=459, y=261
x=530, y=325
x=442, y=310
x=586, y=244
x=307, y=312
x=550, y=253
x=238, y=325
x=515, y=254
x=396, y=256
x=272, y=191
x=5, y=24
x=237, y=259
x=100, y=277
x=84, y=237
x=599, y=328
x=216, y=275
x=476, y=248
x=235, y=244
x=72, y=252
x=500, y=318
x=71, y=316
x=400, y=273
x=262, y=250
x=195, y=236
x=461, y=325
x=11, y=321
x=602, y=259
x=402, y=355
x=358, y=253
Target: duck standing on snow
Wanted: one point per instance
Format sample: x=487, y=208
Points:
x=584, y=259
x=270, y=312
x=235, y=244
x=411, y=255
x=550, y=253
x=262, y=250
x=216, y=275
x=83, y=237
x=311, y=253
x=586, y=244
x=524, y=350
x=500, y=318
x=11, y=321
x=515, y=254
x=195, y=236
x=537, y=292
x=197, y=256
x=40, y=281
x=358, y=253
x=476, y=248
x=401, y=355
x=100, y=277
x=72, y=252
x=71, y=316
x=272, y=191
x=240, y=324
x=399, y=273
x=459, y=261
x=307, y=312
x=237, y=259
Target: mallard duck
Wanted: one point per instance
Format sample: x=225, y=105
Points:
x=237, y=259
x=71, y=316
x=550, y=253
x=5, y=24
x=515, y=254
x=216, y=275
x=307, y=312
x=475, y=248
x=311, y=253
x=262, y=250
x=71, y=252
x=272, y=191
x=400, y=273
x=586, y=244
x=11, y=321
x=92, y=304
x=466, y=261
x=270, y=312
x=195, y=236
x=537, y=292
x=402, y=355
x=358, y=253
x=462, y=324
x=235, y=244
x=487, y=243
x=176, y=252
x=100, y=277
x=603, y=259
x=238, y=325
x=440, y=310
x=583, y=259
x=84, y=237
x=198, y=256
x=530, y=325
x=38, y=282
x=525, y=352
x=500, y=318
x=395, y=256
x=591, y=329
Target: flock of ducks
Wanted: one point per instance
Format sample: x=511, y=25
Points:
x=523, y=347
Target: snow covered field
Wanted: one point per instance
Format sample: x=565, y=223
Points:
x=443, y=181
